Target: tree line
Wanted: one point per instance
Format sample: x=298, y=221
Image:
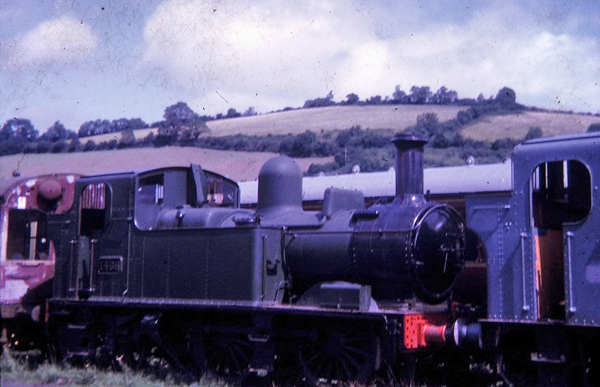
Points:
x=420, y=95
x=353, y=146
x=18, y=135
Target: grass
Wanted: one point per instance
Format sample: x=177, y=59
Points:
x=20, y=372
x=139, y=134
x=516, y=125
x=393, y=117
x=323, y=121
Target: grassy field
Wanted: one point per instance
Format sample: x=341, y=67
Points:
x=17, y=373
x=139, y=134
x=245, y=166
x=516, y=125
x=235, y=165
x=393, y=117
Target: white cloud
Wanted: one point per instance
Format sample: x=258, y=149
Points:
x=271, y=54
x=267, y=49
x=63, y=40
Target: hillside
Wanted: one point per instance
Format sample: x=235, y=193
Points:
x=235, y=165
x=516, y=125
x=392, y=117
x=245, y=165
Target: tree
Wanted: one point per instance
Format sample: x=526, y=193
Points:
x=374, y=100
x=444, y=96
x=43, y=146
x=595, y=127
x=351, y=99
x=427, y=120
x=426, y=124
x=148, y=140
x=85, y=130
x=399, y=96
x=300, y=146
x=89, y=146
x=73, y=145
x=112, y=144
x=18, y=127
x=178, y=118
x=15, y=134
x=92, y=128
x=534, y=132
x=320, y=102
x=250, y=112
x=232, y=113
x=127, y=139
x=506, y=97
x=179, y=113
x=55, y=133
x=137, y=123
x=58, y=147
x=420, y=94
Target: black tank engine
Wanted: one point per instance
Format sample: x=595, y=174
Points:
x=167, y=257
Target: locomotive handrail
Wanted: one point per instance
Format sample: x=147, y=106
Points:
x=505, y=207
x=570, y=235
x=522, y=239
x=72, y=244
x=93, y=243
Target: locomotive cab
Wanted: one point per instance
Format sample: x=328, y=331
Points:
x=27, y=254
x=548, y=233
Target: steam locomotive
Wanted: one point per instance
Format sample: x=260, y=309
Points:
x=167, y=259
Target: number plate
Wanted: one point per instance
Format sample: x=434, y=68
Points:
x=110, y=265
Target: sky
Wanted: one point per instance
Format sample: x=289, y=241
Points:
x=76, y=61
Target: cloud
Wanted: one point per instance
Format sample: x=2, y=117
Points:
x=264, y=48
x=271, y=55
x=64, y=40
x=486, y=54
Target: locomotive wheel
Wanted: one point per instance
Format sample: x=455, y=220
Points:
x=181, y=344
x=138, y=354
x=340, y=353
x=228, y=354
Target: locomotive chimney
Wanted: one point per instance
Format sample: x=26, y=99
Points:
x=409, y=164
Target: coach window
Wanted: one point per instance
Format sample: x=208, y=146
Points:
x=561, y=193
x=149, y=199
x=94, y=208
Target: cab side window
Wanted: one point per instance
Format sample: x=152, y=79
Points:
x=561, y=193
x=94, y=208
x=149, y=199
